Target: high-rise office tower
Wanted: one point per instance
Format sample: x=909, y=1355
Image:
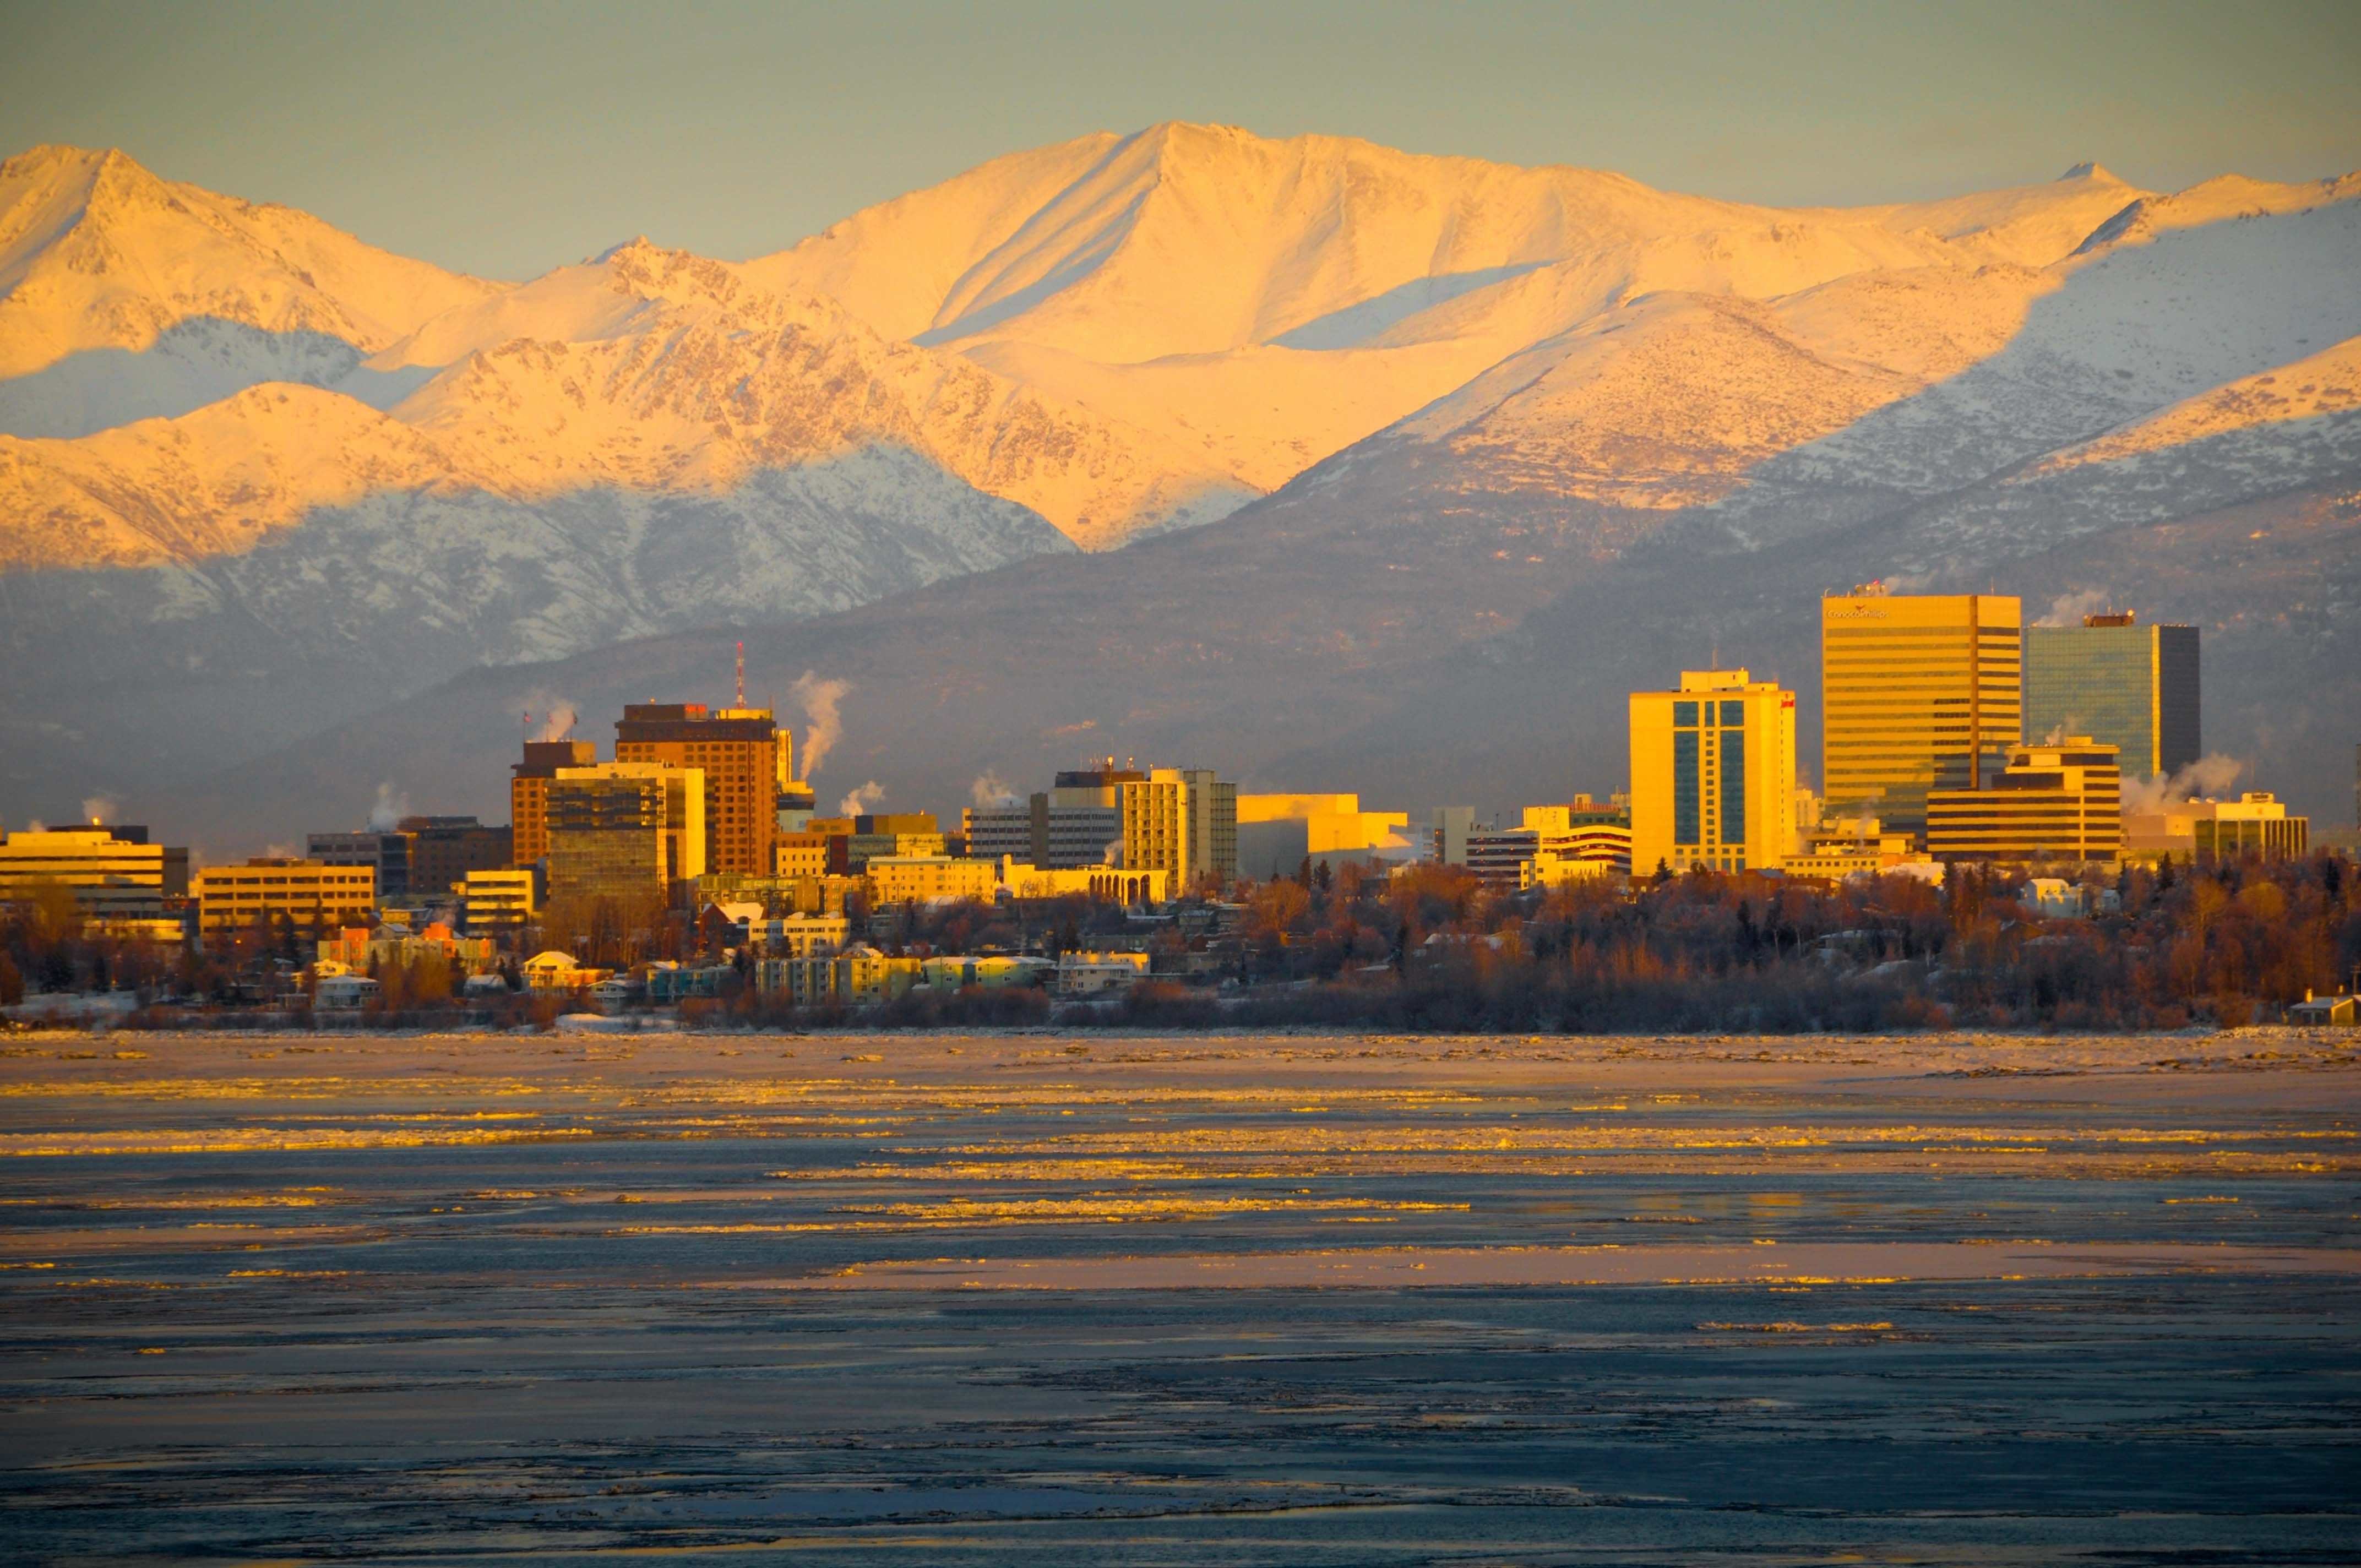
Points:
x=747, y=761
x=529, y=795
x=2131, y=686
x=1917, y=692
x=625, y=830
x=1713, y=774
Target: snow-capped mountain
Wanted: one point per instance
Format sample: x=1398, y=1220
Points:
x=257, y=476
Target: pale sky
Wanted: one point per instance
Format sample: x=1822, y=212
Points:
x=506, y=139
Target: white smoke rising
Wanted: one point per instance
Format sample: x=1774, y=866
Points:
x=991, y=789
x=392, y=806
x=862, y=801
x=2067, y=609
x=99, y=808
x=822, y=726
x=558, y=714
x=2207, y=778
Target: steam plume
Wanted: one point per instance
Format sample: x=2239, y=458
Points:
x=862, y=801
x=822, y=726
x=991, y=789
x=2208, y=777
x=99, y=808
x=392, y=806
x=2067, y=609
x=558, y=714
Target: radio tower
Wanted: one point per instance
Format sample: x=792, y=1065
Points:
x=741, y=674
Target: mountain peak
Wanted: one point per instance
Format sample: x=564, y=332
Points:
x=2093, y=172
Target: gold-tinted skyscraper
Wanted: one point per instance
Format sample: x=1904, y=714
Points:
x=1917, y=692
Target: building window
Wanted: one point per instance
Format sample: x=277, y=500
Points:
x=1733, y=779
x=1684, y=784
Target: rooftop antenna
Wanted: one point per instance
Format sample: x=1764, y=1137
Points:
x=741, y=674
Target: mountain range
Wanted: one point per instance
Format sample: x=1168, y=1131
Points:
x=1333, y=465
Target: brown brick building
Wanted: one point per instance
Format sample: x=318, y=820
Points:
x=529, y=794
x=746, y=761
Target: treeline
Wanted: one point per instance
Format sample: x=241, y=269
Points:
x=1431, y=949
x=2226, y=943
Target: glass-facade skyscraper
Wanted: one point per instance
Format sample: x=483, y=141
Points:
x=1917, y=692
x=2131, y=686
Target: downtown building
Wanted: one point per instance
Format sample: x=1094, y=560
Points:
x=529, y=794
x=273, y=894
x=1077, y=822
x=1713, y=774
x=2127, y=685
x=1183, y=821
x=112, y=873
x=634, y=832
x=2052, y=802
x=1917, y=692
x=747, y=763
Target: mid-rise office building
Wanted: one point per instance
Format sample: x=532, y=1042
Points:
x=114, y=874
x=2131, y=686
x=1076, y=822
x=896, y=834
x=1551, y=845
x=625, y=830
x=1181, y=820
x=801, y=854
x=384, y=852
x=1917, y=692
x=1450, y=826
x=746, y=760
x=2062, y=802
x=271, y=893
x=996, y=831
x=496, y=901
x=529, y=794
x=1713, y=774
x=444, y=850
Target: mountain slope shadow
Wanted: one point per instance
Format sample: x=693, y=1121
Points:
x=1407, y=620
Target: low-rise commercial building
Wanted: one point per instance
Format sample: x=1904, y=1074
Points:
x=929, y=879
x=1104, y=884
x=2257, y=823
x=2062, y=802
x=271, y=893
x=112, y=873
x=495, y=903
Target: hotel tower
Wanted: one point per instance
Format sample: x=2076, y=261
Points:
x=1917, y=692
